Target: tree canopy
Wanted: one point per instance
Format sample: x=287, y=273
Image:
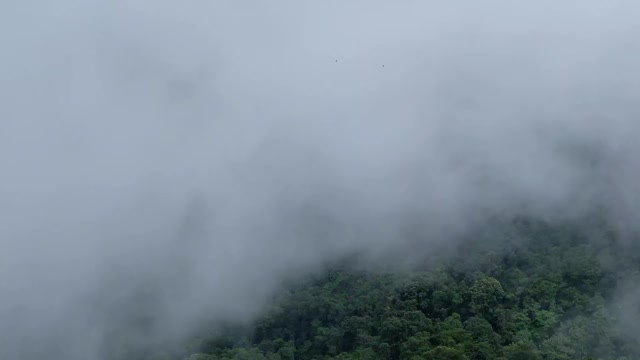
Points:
x=545, y=294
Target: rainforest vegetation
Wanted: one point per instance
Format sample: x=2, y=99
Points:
x=522, y=290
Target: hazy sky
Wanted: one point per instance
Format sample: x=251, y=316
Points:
x=196, y=151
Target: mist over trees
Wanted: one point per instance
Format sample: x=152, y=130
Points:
x=540, y=290
x=172, y=171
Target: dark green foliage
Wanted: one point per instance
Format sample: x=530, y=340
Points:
x=543, y=297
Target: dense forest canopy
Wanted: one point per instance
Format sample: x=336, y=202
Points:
x=520, y=290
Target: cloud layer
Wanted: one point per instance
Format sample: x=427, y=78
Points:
x=187, y=156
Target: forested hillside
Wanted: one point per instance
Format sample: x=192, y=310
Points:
x=523, y=291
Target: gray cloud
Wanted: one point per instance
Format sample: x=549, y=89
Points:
x=196, y=153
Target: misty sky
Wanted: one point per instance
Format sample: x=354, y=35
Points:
x=187, y=155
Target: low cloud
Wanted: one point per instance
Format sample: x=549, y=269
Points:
x=187, y=156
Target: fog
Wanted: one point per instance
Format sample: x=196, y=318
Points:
x=188, y=156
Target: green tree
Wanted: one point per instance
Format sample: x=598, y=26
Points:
x=486, y=297
x=445, y=353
